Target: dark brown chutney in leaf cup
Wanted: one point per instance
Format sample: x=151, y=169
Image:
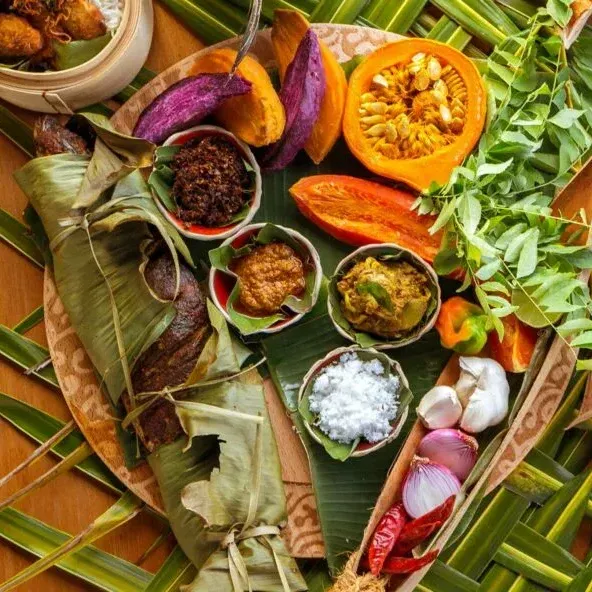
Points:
x=206, y=182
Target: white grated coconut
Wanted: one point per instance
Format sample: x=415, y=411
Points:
x=354, y=399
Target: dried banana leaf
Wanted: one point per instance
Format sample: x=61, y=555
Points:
x=226, y=479
x=116, y=319
x=207, y=489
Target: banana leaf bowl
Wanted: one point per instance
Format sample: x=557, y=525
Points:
x=224, y=284
x=388, y=252
x=160, y=182
x=358, y=448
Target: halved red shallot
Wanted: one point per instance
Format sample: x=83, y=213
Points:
x=452, y=448
x=427, y=485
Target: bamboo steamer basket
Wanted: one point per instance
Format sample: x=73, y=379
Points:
x=96, y=80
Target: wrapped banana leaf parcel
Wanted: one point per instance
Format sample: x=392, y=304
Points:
x=164, y=353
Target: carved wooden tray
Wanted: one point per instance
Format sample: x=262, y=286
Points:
x=91, y=410
x=75, y=373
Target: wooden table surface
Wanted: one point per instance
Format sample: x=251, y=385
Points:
x=71, y=501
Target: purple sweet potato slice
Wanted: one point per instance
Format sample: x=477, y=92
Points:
x=186, y=103
x=301, y=95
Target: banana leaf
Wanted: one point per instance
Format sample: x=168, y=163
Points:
x=115, y=318
x=74, y=53
x=89, y=564
x=227, y=479
x=143, y=77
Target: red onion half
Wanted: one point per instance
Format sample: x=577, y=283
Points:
x=452, y=448
x=427, y=485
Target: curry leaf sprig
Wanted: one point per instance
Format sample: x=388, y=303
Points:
x=499, y=225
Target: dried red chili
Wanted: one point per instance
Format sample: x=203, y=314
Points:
x=385, y=536
x=421, y=528
x=439, y=514
x=411, y=537
x=407, y=565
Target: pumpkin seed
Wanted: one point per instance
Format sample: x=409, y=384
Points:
x=391, y=132
x=422, y=80
x=434, y=69
x=376, y=130
x=372, y=119
x=445, y=114
x=378, y=107
x=380, y=81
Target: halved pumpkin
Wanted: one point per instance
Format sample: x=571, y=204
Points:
x=258, y=118
x=415, y=109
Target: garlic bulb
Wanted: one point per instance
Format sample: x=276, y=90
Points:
x=483, y=391
x=439, y=408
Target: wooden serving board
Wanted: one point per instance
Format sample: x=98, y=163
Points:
x=76, y=375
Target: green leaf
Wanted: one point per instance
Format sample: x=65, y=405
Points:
x=566, y=118
x=40, y=426
x=27, y=354
x=90, y=564
x=16, y=130
x=18, y=236
x=123, y=510
x=491, y=527
x=74, y=53
x=528, y=259
x=175, y=572
x=493, y=168
x=378, y=292
x=443, y=578
x=31, y=320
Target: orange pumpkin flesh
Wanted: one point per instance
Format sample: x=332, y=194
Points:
x=414, y=167
x=289, y=27
x=516, y=349
x=258, y=117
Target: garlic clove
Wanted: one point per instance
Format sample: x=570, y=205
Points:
x=439, y=408
x=484, y=392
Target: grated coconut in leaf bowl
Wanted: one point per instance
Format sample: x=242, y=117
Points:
x=354, y=399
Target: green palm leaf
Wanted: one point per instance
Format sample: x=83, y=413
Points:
x=30, y=321
x=17, y=235
x=40, y=426
x=100, y=569
x=123, y=510
x=17, y=131
x=26, y=354
x=176, y=571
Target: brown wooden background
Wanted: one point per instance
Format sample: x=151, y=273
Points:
x=71, y=501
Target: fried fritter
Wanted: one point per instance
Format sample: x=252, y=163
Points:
x=18, y=39
x=83, y=20
x=51, y=137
